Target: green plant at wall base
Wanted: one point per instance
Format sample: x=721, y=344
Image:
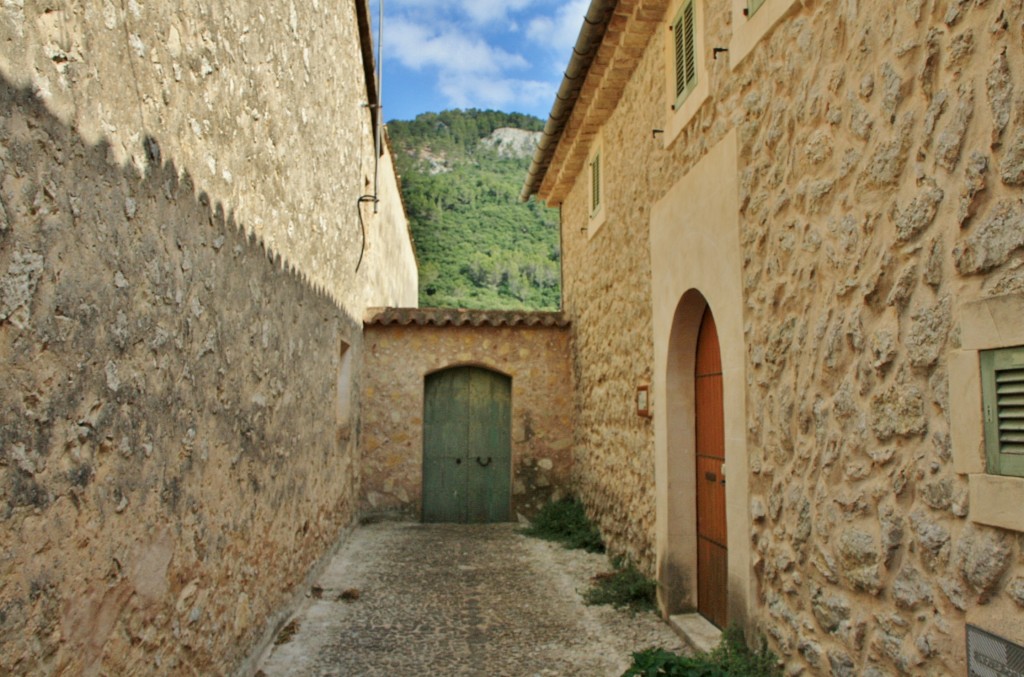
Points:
x=626, y=587
x=566, y=522
x=732, y=657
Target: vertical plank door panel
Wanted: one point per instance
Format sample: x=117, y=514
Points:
x=444, y=443
x=712, y=555
x=489, y=456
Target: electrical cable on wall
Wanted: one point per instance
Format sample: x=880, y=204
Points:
x=377, y=107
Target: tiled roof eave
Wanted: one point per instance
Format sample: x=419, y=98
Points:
x=460, y=317
x=594, y=82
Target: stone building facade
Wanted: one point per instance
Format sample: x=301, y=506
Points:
x=842, y=184
x=184, y=268
x=405, y=346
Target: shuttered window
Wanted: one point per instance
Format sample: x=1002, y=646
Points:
x=684, y=29
x=595, y=184
x=1002, y=392
x=753, y=6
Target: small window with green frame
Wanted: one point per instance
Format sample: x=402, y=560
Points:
x=595, y=183
x=753, y=6
x=1002, y=398
x=684, y=31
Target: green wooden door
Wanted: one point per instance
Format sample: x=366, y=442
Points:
x=466, y=446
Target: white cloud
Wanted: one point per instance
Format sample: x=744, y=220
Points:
x=505, y=54
x=560, y=30
x=480, y=12
x=449, y=50
x=489, y=11
x=465, y=90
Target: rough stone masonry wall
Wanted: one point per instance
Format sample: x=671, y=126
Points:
x=398, y=359
x=177, y=244
x=882, y=166
x=607, y=294
x=885, y=192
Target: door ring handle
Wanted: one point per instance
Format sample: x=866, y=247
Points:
x=482, y=463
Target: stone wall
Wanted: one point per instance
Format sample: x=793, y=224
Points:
x=262, y=104
x=606, y=293
x=880, y=151
x=178, y=250
x=403, y=347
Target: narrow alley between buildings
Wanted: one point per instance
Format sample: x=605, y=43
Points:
x=417, y=599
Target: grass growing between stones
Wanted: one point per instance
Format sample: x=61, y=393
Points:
x=566, y=522
x=731, y=657
x=624, y=588
x=287, y=632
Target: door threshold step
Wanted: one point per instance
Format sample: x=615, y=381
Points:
x=697, y=631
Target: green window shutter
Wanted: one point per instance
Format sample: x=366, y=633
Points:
x=684, y=31
x=680, y=49
x=753, y=6
x=595, y=183
x=1002, y=397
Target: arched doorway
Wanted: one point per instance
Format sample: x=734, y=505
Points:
x=697, y=261
x=467, y=463
x=709, y=429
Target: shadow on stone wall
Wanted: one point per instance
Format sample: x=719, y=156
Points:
x=170, y=463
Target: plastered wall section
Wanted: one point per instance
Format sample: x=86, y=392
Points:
x=389, y=260
x=178, y=247
x=396, y=363
x=880, y=161
x=701, y=210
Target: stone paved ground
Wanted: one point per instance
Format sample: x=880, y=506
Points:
x=460, y=600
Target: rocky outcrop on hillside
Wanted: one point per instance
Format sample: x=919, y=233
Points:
x=478, y=245
x=512, y=143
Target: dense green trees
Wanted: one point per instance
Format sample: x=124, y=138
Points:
x=478, y=246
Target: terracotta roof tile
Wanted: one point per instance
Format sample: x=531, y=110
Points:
x=460, y=317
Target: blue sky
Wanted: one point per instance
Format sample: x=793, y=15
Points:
x=505, y=55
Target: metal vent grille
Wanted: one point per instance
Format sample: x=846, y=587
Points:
x=992, y=656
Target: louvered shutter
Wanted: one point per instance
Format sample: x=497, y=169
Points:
x=690, y=53
x=1002, y=385
x=678, y=34
x=753, y=6
x=685, y=48
x=595, y=184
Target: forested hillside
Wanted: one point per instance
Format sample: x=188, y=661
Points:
x=478, y=246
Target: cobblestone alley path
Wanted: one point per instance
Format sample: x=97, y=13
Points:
x=460, y=600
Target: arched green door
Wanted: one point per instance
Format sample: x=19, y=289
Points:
x=466, y=446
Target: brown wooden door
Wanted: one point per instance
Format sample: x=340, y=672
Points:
x=712, y=560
